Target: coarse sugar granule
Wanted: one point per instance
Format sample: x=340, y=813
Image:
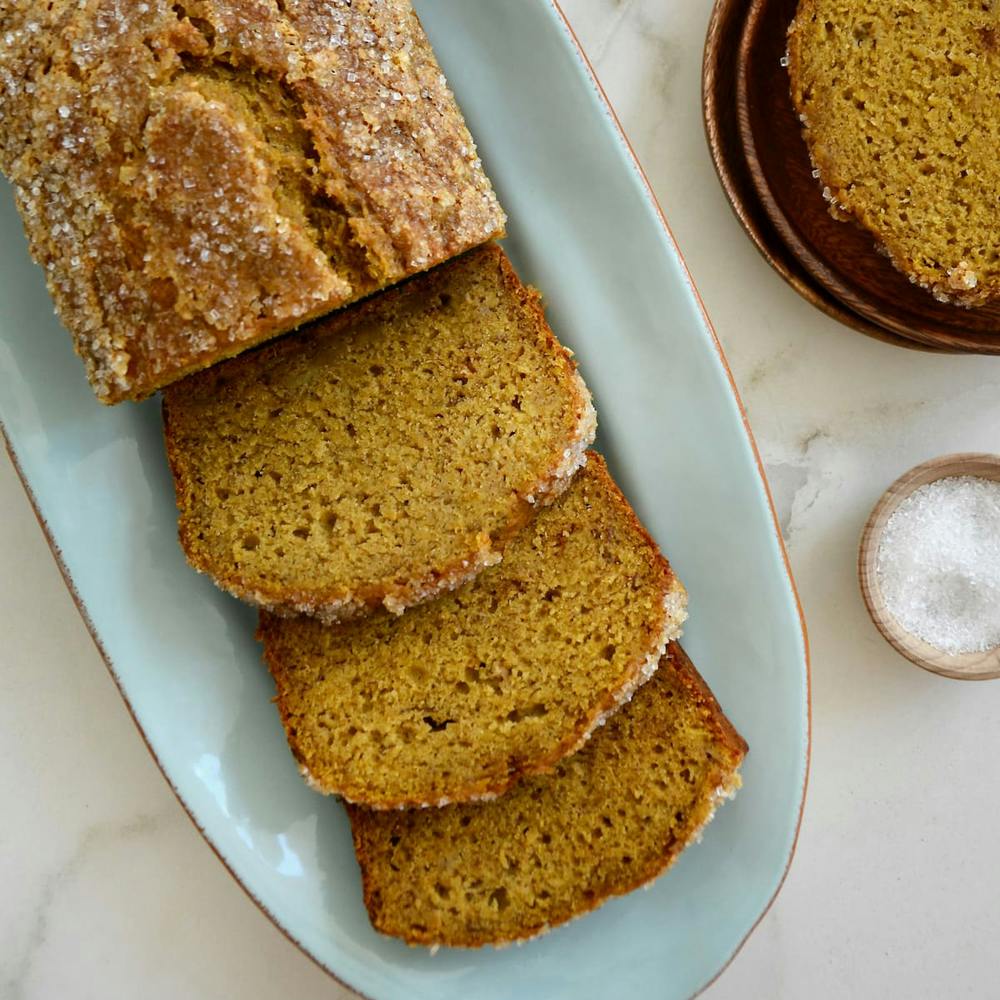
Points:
x=938, y=564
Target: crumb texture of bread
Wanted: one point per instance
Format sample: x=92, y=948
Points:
x=604, y=822
x=461, y=697
x=898, y=101
x=383, y=455
x=198, y=176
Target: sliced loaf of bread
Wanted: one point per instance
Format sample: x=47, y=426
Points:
x=607, y=820
x=384, y=455
x=460, y=698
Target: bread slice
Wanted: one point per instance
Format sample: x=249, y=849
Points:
x=459, y=698
x=603, y=823
x=384, y=455
x=199, y=176
x=898, y=101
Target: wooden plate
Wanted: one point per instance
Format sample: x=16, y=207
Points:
x=961, y=666
x=719, y=86
x=840, y=257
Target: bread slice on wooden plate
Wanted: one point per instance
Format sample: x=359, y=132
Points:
x=898, y=104
x=460, y=698
x=381, y=456
x=607, y=820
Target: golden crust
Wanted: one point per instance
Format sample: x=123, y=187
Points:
x=375, y=833
x=196, y=178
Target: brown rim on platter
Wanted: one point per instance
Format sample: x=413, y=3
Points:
x=959, y=666
x=722, y=128
x=841, y=257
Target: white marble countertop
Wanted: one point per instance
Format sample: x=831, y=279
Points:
x=108, y=891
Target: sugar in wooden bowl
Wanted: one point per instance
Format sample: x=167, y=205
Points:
x=930, y=565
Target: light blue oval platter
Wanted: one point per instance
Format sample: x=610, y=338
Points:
x=584, y=228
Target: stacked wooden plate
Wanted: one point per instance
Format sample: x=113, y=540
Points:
x=756, y=142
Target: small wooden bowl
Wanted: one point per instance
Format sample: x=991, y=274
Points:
x=722, y=127
x=961, y=666
x=840, y=259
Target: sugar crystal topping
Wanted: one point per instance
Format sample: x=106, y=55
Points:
x=197, y=176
